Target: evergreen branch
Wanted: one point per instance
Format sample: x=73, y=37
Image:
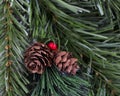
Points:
x=92, y=37
x=54, y=83
x=110, y=9
x=12, y=81
x=82, y=43
x=43, y=24
x=109, y=72
x=72, y=8
x=62, y=16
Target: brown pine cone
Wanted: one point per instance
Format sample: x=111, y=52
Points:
x=66, y=63
x=37, y=58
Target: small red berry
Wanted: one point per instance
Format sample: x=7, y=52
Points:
x=52, y=45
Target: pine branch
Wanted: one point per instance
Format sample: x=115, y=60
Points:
x=54, y=83
x=107, y=50
x=43, y=22
x=93, y=44
x=92, y=37
x=13, y=41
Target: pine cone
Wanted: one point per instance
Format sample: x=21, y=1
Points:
x=37, y=58
x=66, y=63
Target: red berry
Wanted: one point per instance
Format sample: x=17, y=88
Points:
x=52, y=45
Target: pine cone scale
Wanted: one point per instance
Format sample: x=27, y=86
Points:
x=66, y=64
x=65, y=57
x=57, y=60
x=62, y=53
x=60, y=66
x=69, y=69
x=73, y=60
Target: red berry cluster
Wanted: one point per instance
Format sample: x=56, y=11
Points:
x=52, y=45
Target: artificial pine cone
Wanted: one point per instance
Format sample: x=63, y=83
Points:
x=37, y=58
x=65, y=62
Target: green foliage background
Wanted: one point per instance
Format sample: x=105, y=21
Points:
x=90, y=29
